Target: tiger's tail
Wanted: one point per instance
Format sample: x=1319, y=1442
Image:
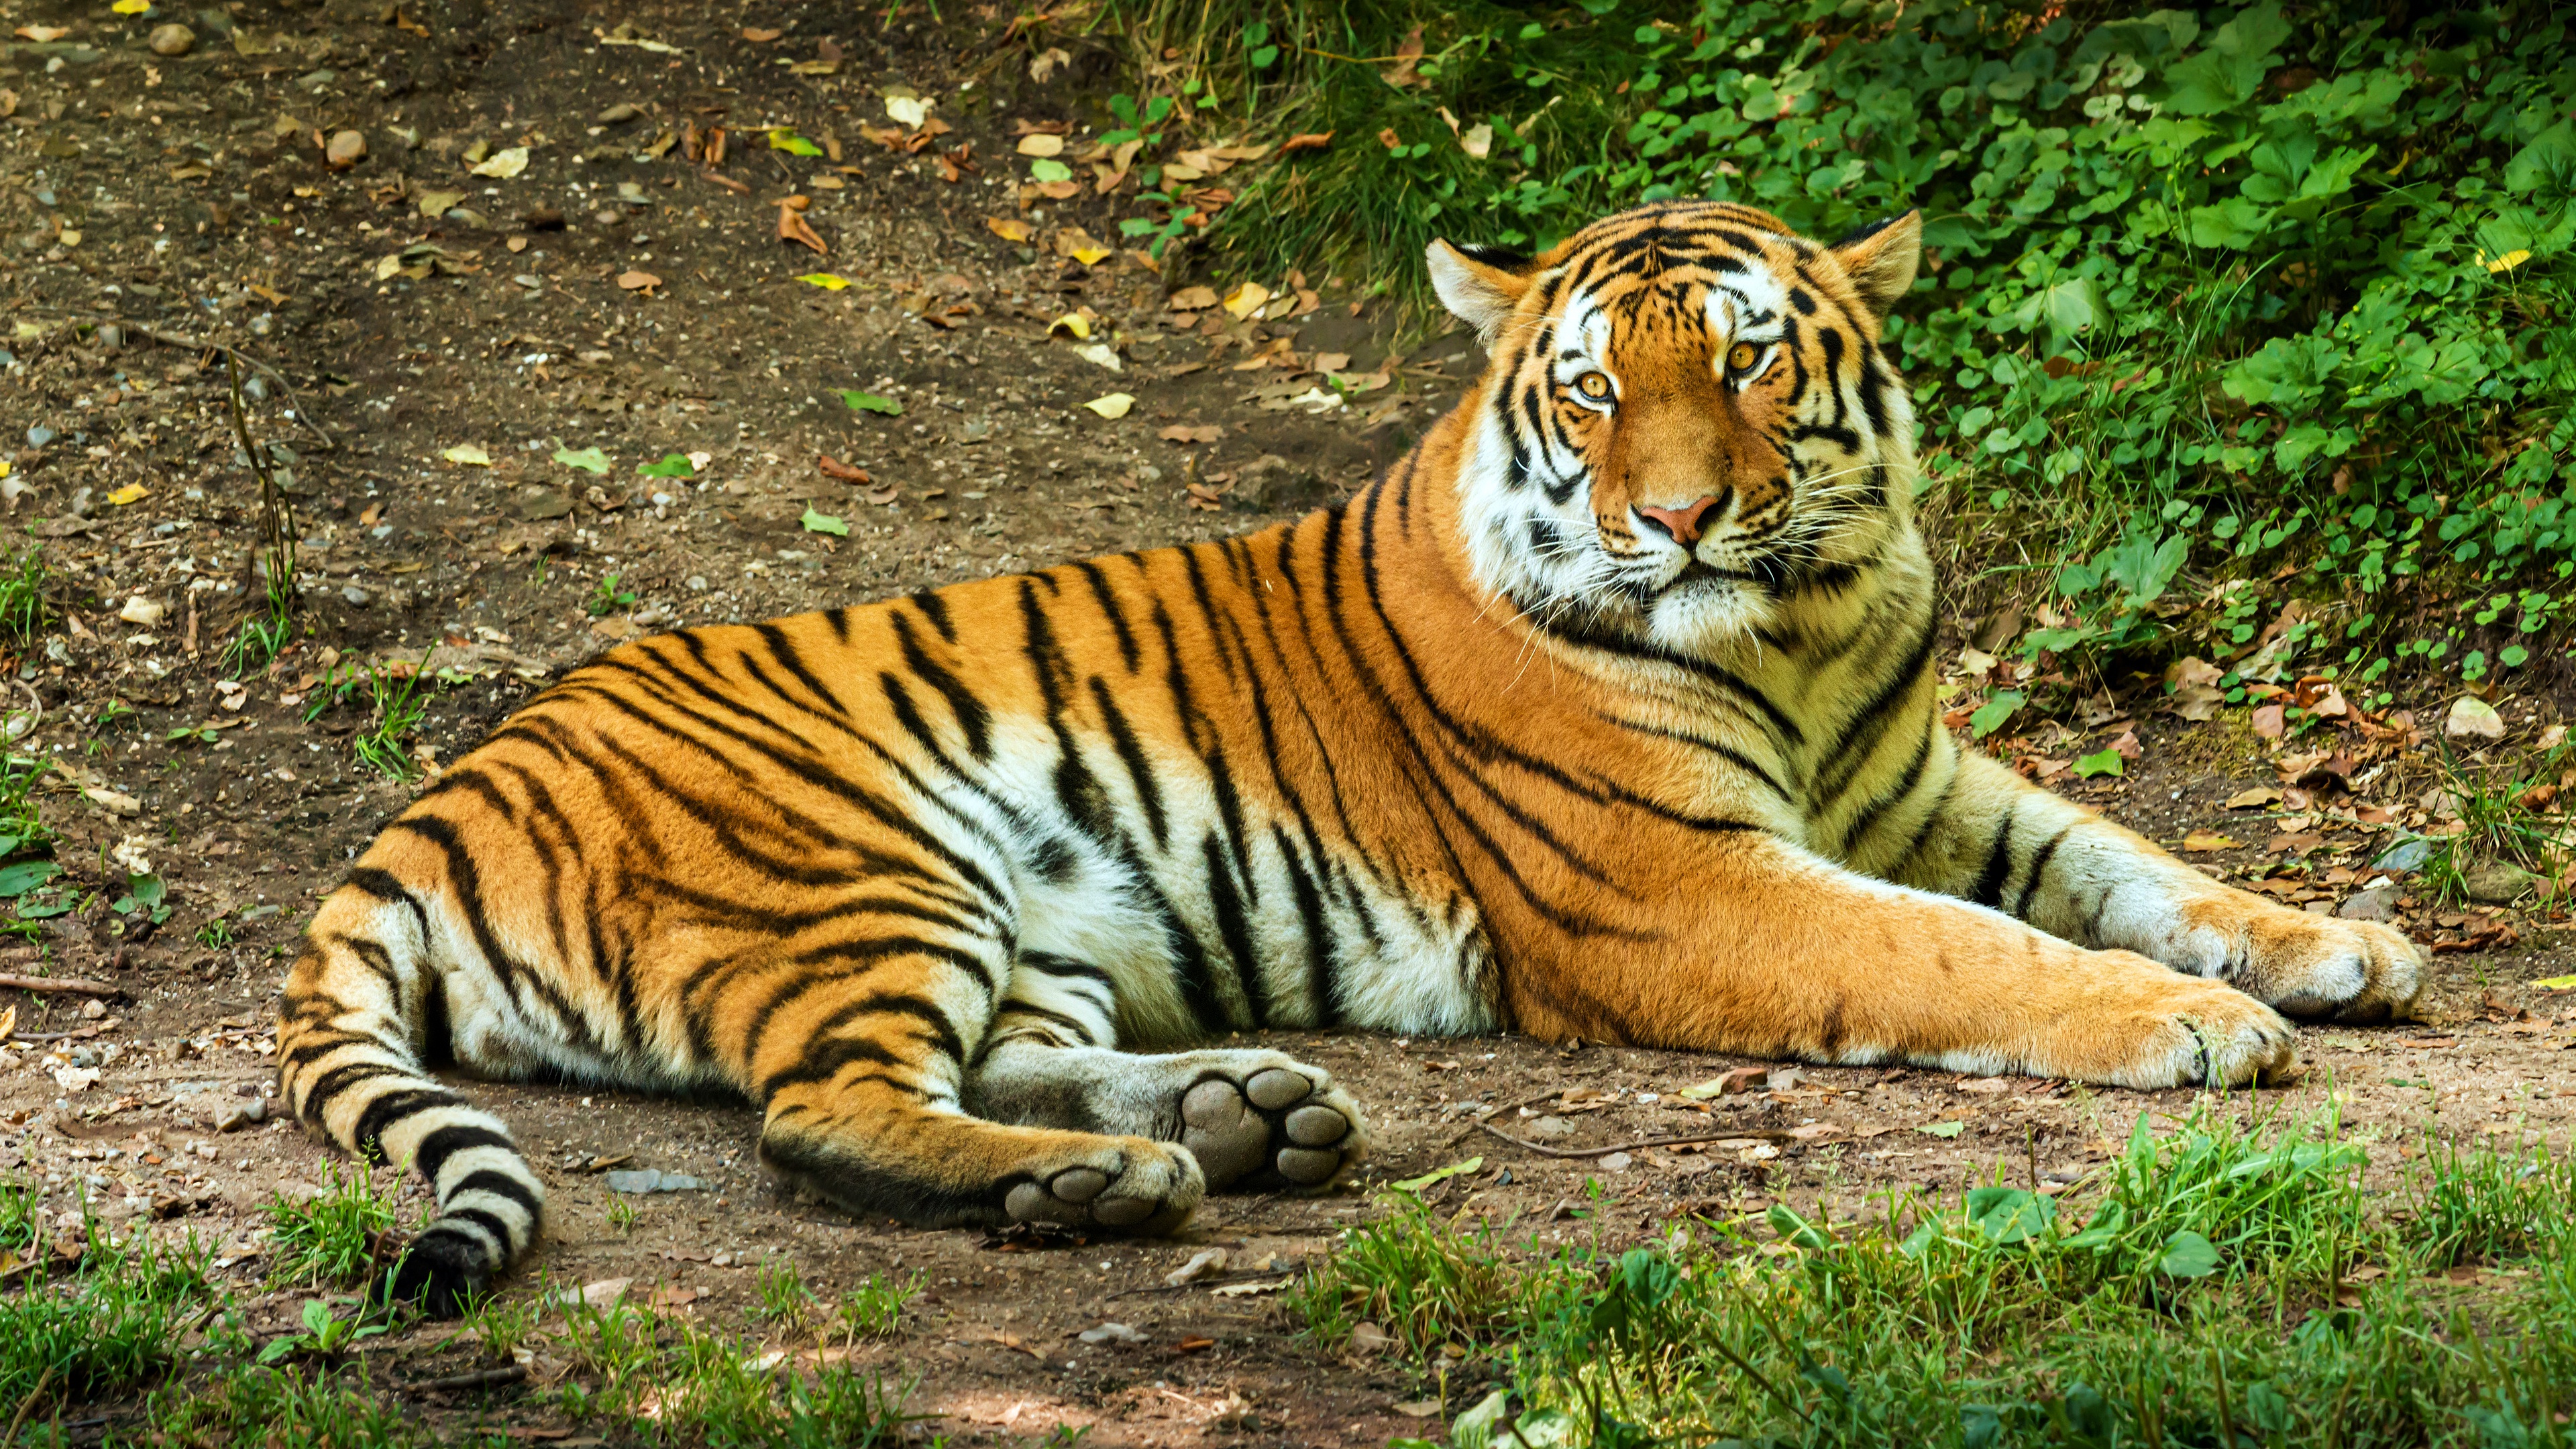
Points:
x=359, y=1017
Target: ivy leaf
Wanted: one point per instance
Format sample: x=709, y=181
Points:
x=783, y=139
x=2106, y=762
x=824, y=523
x=673, y=465
x=1047, y=169
x=589, y=460
x=1991, y=715
x=17, y=880
x=868, y=402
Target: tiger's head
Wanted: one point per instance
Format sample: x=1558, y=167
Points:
x=1685, y=421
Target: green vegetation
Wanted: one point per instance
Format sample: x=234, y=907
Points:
x=2218, y=1286
x=22, y=600
x=674, y=1383
x=341, y=1235
x=874, y=1309
x=2236, y=306
x=607, y=598
x=109, y=1324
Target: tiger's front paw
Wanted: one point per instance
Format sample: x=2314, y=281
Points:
x=2149, y=1027
x=2356, y=972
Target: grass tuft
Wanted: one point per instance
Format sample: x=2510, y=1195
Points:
x=341, y=1235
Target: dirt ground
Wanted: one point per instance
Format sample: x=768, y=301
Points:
x=616, y=294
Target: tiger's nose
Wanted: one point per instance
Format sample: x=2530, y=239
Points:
x=1682, y=523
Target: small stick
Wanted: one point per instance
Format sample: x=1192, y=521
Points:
x=1471, y=1127
x=1750, y=1134
x=492, y=1378
x=62, y=983
x=27, y=1404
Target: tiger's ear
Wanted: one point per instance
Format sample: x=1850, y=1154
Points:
x=1880, y=259
x=1479, y=285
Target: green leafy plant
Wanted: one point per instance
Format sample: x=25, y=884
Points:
x=324, y=1337
x=400, y=699
x=874, y=1309
x=607, y=598
x=146, y=899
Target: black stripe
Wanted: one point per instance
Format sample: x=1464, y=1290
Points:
x=446, y=1142
x=2038, y=868
x=1989, y=889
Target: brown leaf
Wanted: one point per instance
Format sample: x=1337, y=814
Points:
x=1306, y=141
x=1181, y=433
x=1193, y=299
x=2268, y=723
x=2200, y=840
x=1408, y=59
x=2255, y=798
x=758, y=36
x=638, y=281
x=792, y=228
x=834, y=468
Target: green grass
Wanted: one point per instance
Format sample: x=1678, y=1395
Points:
x=23, y=613
x=671, y=1382
x=290, y=1406
x=109, y=1325
x=2217, y=1286
x=340, y=1236
x=874, y=1309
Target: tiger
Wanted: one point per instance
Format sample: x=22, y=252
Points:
x=1608, y=713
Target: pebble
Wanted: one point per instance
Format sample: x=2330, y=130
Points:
x=2379, y=905
x=651, y=1180
x=620, y=114
x=347, y=149
x=1206, y=1262
x=356, y=596
x=38, y=437
x=173, y=40
x=234, y=1116
x=1111, y=1333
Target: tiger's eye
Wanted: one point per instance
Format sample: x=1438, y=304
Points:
x=1593, y=385
x=1742, y=356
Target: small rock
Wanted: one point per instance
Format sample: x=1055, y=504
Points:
x=1617, y=1162
x=536, y=505
x=544, y=218
x=347, y=149
x=2379, y=905
x=1551, y=1126
x=143, y=609
x=2497, y=882
x=38, y=437
x=172, y=40
x=605, y=217
x=594, y=1295
x=1206, y=1262
x=1272, y=484
x=650, y=1180
x=620, y=114
x=1111, y=1333
x=357, y=597
x=93, y=1009
x=234, y=1116
x=2409, y=853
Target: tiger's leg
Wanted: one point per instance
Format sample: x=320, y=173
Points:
x=861, y=1064
x=1252, y=1118
x=2001, y=841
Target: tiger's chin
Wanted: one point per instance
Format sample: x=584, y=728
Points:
x=1703, y=612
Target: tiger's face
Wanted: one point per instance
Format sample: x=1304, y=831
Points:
x=1686, y=422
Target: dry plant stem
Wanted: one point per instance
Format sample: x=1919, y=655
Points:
x=276, y=515
x=484, y=1379
x=303, y=414
x=62, y=983
x=28, y=1404
x=1757, y=1134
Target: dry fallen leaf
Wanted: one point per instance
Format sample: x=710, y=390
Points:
x=834, y=468
x=1246, y=300
x=1181, y=433
x=1307, y=141
x=502, y=165
x=758, y=36
x=1113, y=406
x=2199, y=840
x=792, y=228
x=2255, y=798
x=636, y=281
x=1041, y=144
x=2472, y=718
x=1192, y=299
x=468, y=455
x=1008, y=229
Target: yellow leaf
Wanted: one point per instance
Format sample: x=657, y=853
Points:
x=469, y=455
x=130, y=493
x=4, y=467
x=8, y=1022
x=1007, y=229
x=2508, y=261
x=1073, y=322
x=502, y=165
x=132, y=7
x=2200, y=840
x=1041, y=144
x=2556, y=983
x=1090, y=256
x=824, y=280
x=1246, y=300
x=1115, y=405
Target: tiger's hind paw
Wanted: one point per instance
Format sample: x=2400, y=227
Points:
x=1280, y=1125
x=1138, y=1187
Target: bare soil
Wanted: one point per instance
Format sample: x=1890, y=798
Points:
x=188, y=198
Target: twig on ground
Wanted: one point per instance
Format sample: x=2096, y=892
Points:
x=26, y=1405
x=1742, y=1134
x=491, y=1378
x=62, y=983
